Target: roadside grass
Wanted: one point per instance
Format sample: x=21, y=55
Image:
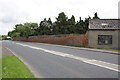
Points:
x=108, y=49
x=12, y=67
x=0, y=68
x=76, y=46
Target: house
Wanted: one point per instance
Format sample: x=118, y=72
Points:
x=104, y=33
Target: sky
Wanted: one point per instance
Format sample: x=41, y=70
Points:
x=13, y=12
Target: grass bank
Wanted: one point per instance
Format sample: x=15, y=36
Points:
x=12, y=67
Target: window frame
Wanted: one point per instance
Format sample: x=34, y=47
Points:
x=109, y=43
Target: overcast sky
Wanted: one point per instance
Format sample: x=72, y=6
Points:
x=20, y=11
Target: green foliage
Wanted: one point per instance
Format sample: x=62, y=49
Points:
x=4, y=37
x=96, y=16
x=0, y=68
x=12, y=67
x=62, y=19
x=24, y=30
x=62, y=25
x=45, y=27
x=71, y=21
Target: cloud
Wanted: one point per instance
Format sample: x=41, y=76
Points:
x=20, y=11
x=119, y=10
x=8, y=19
x=10, y=14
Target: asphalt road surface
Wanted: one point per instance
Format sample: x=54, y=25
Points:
x=50, y=61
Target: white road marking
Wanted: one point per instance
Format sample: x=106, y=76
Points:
x=103, y=64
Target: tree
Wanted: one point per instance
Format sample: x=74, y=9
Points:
x=10, y=33
x=50, y=26
x=86, y=24
x=24, y=30
x=45, y=27
x=82, y=25
x=34, y=27
x=71, y=25
x=13, y=34
x=96, y=16
x=62, y=18
x=61, y=23
x=28, y=29
x=49, y=21
x=71, y=21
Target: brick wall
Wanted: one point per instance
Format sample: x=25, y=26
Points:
x=76, y=40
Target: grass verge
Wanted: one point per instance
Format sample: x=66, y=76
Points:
x=12, y=67
x=0, y=68
x=108, y=49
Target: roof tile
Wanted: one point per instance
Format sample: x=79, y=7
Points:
x=104, y=24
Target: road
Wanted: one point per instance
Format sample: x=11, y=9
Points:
x=51, y=61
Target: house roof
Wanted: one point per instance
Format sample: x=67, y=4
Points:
x=104, y=24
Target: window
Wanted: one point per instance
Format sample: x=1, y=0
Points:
x=104, y=39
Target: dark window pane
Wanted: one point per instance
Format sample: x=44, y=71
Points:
x=104, y=39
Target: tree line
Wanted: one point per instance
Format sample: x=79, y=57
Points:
x=62, y=25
